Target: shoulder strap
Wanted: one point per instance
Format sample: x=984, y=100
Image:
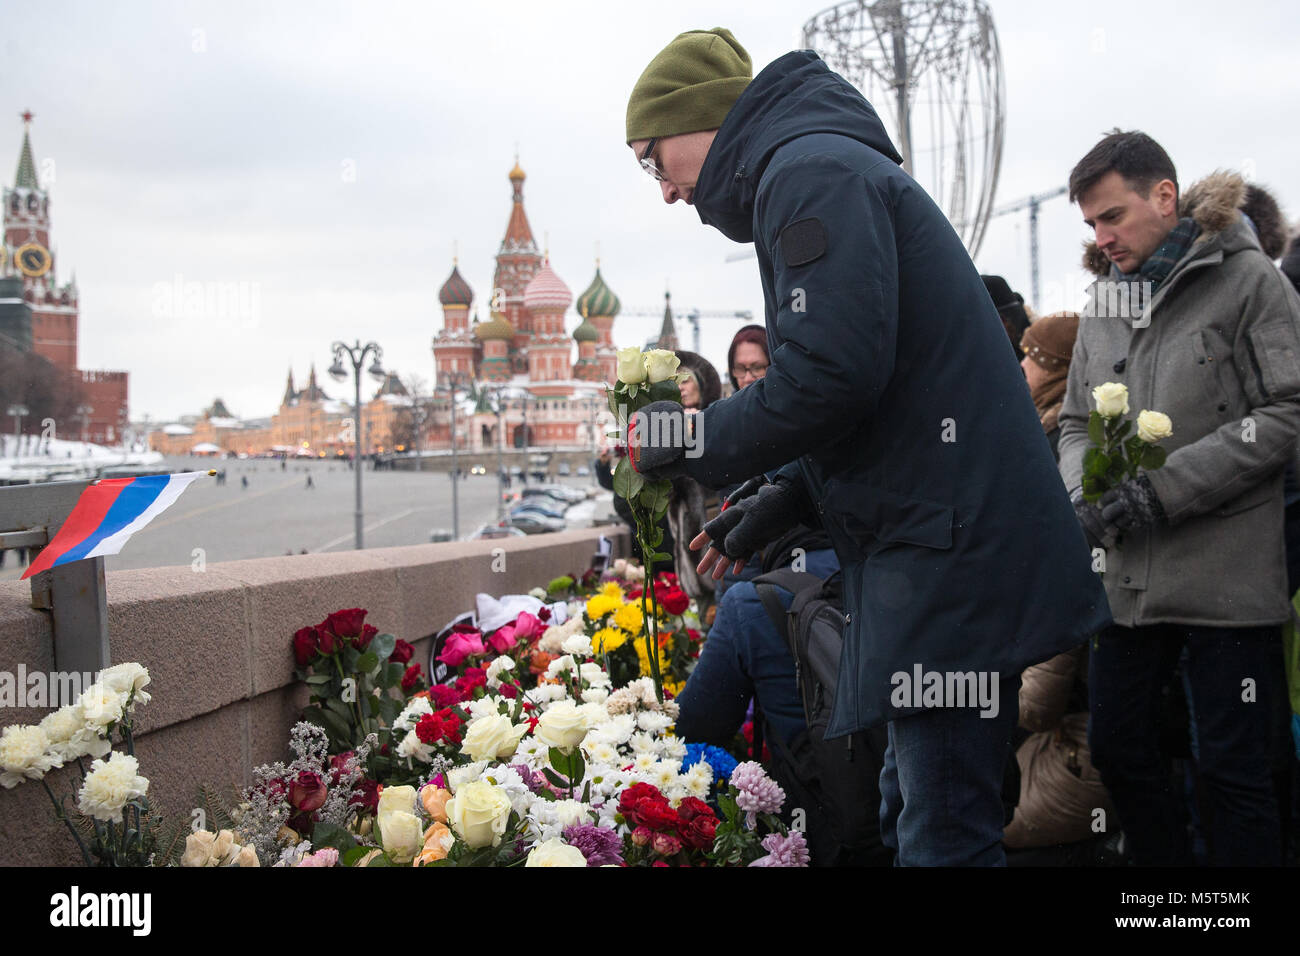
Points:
x=792, y=581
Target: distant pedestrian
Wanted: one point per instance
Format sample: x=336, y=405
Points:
x=244, y=481
x=309, y=482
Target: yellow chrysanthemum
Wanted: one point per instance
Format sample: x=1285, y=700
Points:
x=598, y=605
x=611, y=589
x=607, y=639
x=629, y=618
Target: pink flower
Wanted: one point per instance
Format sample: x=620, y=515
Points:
x=641, y=836
x=459, y=646
x=665, y=844
x=503, y=639
x=788, y=850
x=527, y=626
x=323, y=857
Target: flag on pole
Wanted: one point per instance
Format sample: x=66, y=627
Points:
x=107, y=514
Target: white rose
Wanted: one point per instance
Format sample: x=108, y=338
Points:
x=393, y=799
x=1111, y=399
x=402, y=834
x=110, y=785
x=479, y=813
x=492, y=738
x=1153, y=426
x=555, y=852
x=631, y=367
x=562, y=725
x=247, y=856
x=660, y=365
x=198, y=849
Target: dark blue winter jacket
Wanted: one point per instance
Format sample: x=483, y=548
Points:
x=892, y=393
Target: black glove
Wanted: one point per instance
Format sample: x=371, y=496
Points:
x=656, y=440
x=743, y=491
x=1133, y=505
x=1095, y=527
x=762, y=517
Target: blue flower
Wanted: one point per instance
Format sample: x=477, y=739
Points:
x=720, y=760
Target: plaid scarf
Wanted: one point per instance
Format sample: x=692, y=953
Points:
x=1161, y=262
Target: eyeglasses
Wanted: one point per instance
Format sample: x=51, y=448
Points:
x=648, y=164
x=754, y=371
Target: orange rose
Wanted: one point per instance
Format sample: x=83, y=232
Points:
x=538, y=661
x=435, y=800
x=437, y=841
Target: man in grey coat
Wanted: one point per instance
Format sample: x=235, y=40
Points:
x=1196, y=322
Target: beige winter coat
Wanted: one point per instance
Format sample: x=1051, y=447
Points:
x=1221, y=358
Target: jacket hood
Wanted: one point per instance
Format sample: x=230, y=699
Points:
x=793, y=96
x=1215, y=203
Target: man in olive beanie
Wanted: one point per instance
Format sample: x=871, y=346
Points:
x=892, y=414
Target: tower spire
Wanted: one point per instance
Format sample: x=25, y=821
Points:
x=26, y=175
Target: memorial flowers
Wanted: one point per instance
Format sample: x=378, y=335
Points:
x=1116, y=455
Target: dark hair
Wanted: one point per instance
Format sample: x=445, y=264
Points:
x=1134, y=155
x=756, y=334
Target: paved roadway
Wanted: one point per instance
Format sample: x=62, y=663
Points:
x=278, y=514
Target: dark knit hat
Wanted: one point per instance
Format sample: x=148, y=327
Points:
x=1050, y=340
x=1011, y=309
x=706, y=376
x=690, y=86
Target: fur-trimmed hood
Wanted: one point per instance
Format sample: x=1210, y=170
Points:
x=1216, y=203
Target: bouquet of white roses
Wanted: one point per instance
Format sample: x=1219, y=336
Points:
x=1115, y=454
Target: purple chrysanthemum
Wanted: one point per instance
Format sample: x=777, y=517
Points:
x=788, y=850
x=533, y=781
x=756, y=791
x=599, y=845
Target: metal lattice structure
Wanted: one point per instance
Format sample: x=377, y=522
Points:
x=933, y=71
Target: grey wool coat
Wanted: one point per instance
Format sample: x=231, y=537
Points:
x=1221, y=357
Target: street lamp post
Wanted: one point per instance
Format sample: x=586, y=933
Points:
x=453, y=382
x=16, y=412
x=419, y=412
x=84, y=412
x=357, y=356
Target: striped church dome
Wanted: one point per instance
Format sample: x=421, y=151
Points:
x=598, y=299
x=456, y=291
x=547, y=292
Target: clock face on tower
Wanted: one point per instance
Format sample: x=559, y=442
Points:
x=33, y=259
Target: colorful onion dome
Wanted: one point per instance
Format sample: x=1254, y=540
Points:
x=456, y=291
x=517, y=173
x=547, y=292
x=598, y=299
x=586, y=332
x=498, y=328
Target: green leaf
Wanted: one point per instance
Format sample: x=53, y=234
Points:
x=554, y=777
x=367, y=662
x=353, y=855
x=382, y=646
x=1096, y=427
x=1153, y=457
x=349, y=658
x=317, y=679
x=327, y=834
x=665, y=391
x=627, y=483
x=1123, y=429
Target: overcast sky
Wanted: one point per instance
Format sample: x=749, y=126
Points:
x=329, y=155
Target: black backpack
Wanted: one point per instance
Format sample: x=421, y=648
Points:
x=835, y=782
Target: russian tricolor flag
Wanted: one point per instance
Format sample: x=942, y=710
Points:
x=107, y=514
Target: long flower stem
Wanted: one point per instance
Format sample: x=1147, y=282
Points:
x=61, y=815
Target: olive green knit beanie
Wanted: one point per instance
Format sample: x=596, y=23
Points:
x=690, y=86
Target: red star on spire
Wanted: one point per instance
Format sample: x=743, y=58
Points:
x=27, y=116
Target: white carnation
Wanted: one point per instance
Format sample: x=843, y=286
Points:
x=126, y=679
x=578, y=645
x=110, y=785
x=24, y=755
x=595, y=695
x=411, y=714
x=101, y=706
x=497, y=668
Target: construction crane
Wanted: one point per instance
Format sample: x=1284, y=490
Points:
x=1031, y=203
x=693, y=316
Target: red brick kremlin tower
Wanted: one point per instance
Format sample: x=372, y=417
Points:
x=27, y=253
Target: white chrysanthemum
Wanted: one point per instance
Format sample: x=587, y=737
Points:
x=413, y=748
x=127, y=678
x=24, y=755
x=564, y=662
x=545, y=693
x=595, y=695
x=699, y=778
x=602, y=752
x=497, y=668
x=594, y=675
x=100, y=706
x=674, y=748
x=643, y=743
x=619, y=727
x=532, y=752
x=110, y=785
x=578, y=645
x=411, y=714
x=653, y=722
x=643, y=763
x=458, y=776
x=508, y=779
x=664, y=774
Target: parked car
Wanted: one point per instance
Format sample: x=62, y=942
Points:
x=559, y=492
x=534, y=523
x=497, y=531
x=533, y=505
x=563, y=469
x=440, y=534
x=583, y=471
x=478, y=470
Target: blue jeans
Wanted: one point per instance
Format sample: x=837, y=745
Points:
x=941, y=786
x=744, y=656
x=1127, y=669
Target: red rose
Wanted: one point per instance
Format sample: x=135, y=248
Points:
x=328, y=643
x=402, y=652
x=656, y=815
x=676, y=601
x=307, y=791
x=692, y=807
x=367, y=635
x=306, y=645
x=411, y=678
x=345, y=624
x=366, y=796
x=337, y=765
x=699, y=831
x=694, y=635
